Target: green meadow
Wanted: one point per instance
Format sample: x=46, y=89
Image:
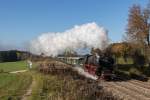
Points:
x=13, y=86
x=13, y=66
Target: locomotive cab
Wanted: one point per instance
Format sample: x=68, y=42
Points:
x=91, y=64
x=101, y=66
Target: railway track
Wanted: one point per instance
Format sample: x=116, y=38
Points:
x=129, y=90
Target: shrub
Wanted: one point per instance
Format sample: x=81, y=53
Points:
x=134, y=71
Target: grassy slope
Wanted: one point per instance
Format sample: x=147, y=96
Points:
x=13, y=66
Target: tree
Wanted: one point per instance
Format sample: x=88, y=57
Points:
x=138, y=26
x=120, y=50
x=137, y=33
x=147, y=21
x=147, y=18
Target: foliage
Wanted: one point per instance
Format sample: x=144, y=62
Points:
x=134, y=70
x=137, y=34
x=139, y=59
x=120, y=49
x=122, y=61
x=147, y=71
x=13, y=55
x=138, y=25
x=6, y=56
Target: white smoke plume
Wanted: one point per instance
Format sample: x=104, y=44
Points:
x=84, y=36
x=81, y=71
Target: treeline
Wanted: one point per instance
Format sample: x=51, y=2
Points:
x=136, y=44
x=137, y=35
x=13, y=55
x=130, y=53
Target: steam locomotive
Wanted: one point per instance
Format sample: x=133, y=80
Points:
x=101, y=66
x=96, y=65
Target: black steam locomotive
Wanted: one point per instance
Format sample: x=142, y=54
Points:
x=101, y=66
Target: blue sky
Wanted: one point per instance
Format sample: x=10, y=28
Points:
x=24, y=20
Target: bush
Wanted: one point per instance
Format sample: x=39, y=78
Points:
x=137, y=74
x=147, y=71
x=134, y=71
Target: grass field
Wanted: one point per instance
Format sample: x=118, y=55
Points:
x=14, y=85
x=13, y=66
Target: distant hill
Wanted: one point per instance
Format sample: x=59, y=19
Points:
x=13, y=55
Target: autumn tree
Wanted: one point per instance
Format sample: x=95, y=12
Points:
x=146, y=19
x=137, y=32
x=138, y=26
x=120, y=50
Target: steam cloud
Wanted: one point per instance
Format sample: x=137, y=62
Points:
x=86, y=74
x=79, y=37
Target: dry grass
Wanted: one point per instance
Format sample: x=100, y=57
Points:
x=13, y=86
x=66, y=84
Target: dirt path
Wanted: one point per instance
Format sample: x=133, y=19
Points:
x=29, y=90
x=129, y=90
x=19, y=71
